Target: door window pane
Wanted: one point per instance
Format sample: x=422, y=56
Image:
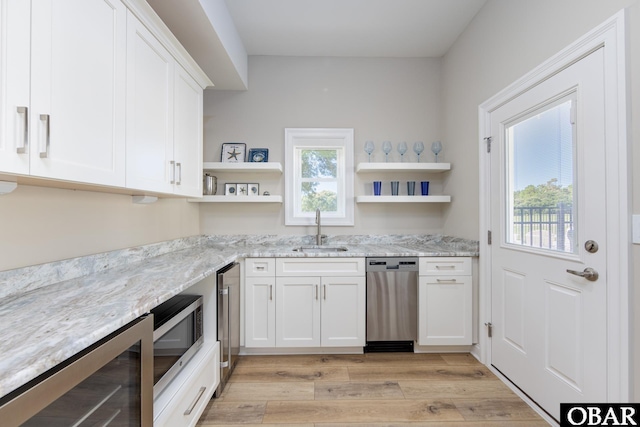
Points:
x=540, y=179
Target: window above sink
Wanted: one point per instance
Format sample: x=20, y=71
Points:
x=319, y=175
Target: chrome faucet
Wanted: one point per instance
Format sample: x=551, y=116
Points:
x=318, y=233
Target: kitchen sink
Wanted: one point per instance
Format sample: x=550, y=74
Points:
x=322, y=249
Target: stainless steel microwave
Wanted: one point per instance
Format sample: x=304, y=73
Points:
x=177, y=336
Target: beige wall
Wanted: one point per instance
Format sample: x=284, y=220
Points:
x=395, y=99
x=507, y=39
x=40, y=224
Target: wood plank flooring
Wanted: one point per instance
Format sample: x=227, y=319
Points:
x=374, y=389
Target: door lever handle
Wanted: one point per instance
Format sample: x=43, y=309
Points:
x=588, y=273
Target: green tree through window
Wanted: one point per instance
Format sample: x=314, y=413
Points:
x=319, y=180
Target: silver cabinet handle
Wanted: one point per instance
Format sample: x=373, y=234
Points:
x=44, y=118
x=588, y=273
x=23, y=137
x=172, y=166
x=324, y=291
x=316, y=291
x=195, y=402
x=260, y=268
x=445, y=267
x=270, y=292
x=446, y=280
x=179, y=174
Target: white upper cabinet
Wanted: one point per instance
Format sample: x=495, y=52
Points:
x=65, y=71
x=15, y=38
x=98, y=92
x=164, y=119
x=187, y=133
x=150, y=68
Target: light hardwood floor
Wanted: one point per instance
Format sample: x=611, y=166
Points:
x=374, y=389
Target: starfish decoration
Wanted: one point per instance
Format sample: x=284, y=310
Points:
x=233, y=154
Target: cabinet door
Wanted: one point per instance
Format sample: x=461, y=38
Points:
x=15, y=40
x=150, y=68
x=343, y=311
x=297, y=311
x=445, y=310
x=77, y=116
x=260, y=309
x=187, y=134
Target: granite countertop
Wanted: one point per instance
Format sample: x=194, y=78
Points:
x=52, y=311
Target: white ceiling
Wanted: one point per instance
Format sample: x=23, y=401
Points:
x=218, y=32
x=358, y=28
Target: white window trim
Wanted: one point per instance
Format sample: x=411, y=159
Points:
x=343, y=139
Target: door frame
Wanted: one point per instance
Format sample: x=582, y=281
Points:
x=610, y=35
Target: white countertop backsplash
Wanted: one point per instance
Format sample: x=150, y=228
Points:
x=50, y=312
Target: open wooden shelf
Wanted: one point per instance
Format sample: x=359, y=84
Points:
x=246, y=167
x=403, y=199
x=403, y=167
x=238, y=199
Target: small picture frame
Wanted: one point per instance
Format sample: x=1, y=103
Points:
x=233, y=152
x=242, y=189
x=254, y=189
x=230, y=189
x=258, y=155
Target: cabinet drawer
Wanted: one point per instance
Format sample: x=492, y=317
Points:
x=194, y=394
x=320, y=267
x=445, y=266
x=260, y=267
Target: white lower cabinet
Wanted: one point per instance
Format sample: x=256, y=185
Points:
x=188, y=402
x=297, y=312
x=260, y=312
x=343, y=312
x=445, y=298
x=325, y=308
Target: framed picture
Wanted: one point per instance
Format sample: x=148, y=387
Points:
x=258, y=155
x=233, y=152
x=242, y=189
x=229, y=189
x=254, y=189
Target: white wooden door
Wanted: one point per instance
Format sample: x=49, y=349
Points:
x=15, y=40
x=297, y=311
x=260, y=309
x=549, y=325
x=343, y=316
x=150, y=78
x=187, y=131
x=77, y=117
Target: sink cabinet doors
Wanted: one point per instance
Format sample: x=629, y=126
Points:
x=323, y=308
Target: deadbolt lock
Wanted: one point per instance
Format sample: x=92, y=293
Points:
x=591, y=246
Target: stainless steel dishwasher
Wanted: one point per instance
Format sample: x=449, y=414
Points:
x=392, y=303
